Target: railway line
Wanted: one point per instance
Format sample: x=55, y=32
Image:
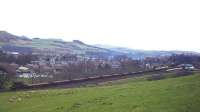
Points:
x=92, y=80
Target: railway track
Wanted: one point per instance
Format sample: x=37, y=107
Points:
x=90, y=80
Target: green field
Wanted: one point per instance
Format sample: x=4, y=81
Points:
x=133, y=95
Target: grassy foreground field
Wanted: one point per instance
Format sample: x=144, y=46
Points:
x=169, y=95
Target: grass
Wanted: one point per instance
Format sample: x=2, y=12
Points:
x=180, y=94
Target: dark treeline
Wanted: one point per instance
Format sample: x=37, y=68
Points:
x=21, y=59
x=186, y=59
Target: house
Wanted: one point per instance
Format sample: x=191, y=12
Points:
x=115, y=65
x=187, y=66
x=24, y=72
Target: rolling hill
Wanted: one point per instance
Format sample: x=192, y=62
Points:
x=14, y=43
x=140, y=54
x=10, y=42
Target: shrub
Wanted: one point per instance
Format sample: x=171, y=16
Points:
x=155, y=77
x=18, y=85
x=3, y=80
x=182, y=73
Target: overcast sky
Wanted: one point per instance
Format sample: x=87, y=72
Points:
x=138, y=24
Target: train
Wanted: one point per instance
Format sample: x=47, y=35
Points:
x=82, y=80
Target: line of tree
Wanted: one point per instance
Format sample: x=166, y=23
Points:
x=21, y=59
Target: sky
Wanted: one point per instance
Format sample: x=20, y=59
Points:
x=137, y=24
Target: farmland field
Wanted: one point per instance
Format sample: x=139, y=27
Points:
x=180, y=94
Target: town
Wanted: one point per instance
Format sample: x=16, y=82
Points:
x=45, y=66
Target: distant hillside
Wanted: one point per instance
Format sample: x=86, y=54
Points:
x=14, y=43
x=10, y=42
x=10, y=38
x=140, y=54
